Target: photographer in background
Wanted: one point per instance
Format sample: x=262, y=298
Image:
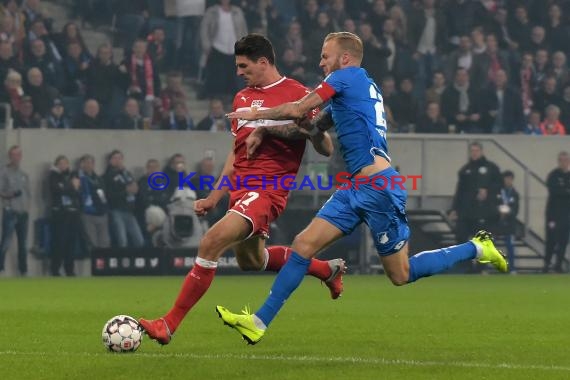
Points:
x=15, y=194
x=65, y=215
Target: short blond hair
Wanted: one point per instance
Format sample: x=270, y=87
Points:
x=348, y=42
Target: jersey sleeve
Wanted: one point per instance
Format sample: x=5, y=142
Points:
x=333, y=84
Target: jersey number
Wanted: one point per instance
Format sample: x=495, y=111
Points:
x=251, y=196
x=378, y=107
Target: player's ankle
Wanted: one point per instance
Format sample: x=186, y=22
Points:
x=259, y=323
x=479, y=250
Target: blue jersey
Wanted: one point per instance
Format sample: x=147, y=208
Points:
x=358, y=113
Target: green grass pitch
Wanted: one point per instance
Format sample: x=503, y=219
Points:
x=446, y=327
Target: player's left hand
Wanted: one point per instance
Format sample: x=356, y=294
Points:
x=243, y=115
x=253, y=141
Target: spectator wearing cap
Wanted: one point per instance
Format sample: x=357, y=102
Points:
x=26, y=117
x=42, y=94
x=131, y=117
x=216, y=120
x=90, y=118
x=179, y=119
x=57, y=119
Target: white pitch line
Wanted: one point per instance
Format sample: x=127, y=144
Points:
x=309, y=359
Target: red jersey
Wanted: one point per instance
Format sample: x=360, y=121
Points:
x=275, y=157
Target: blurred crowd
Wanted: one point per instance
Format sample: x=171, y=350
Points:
x=447, y=66
x=86, y=210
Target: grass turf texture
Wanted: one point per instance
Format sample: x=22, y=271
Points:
x=447, y=327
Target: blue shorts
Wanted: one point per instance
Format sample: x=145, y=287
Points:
x=380, y=204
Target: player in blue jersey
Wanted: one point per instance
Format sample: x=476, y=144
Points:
x=356, y=108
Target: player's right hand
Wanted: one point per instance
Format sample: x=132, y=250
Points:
x=202, y=206
x=253, y=141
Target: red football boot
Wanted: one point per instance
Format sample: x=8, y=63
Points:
x=157, y=329
x=334, y=282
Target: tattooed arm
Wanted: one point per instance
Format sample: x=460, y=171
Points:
x=286, y=131
x=321, y=140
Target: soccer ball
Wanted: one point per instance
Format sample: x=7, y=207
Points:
x=122, y=334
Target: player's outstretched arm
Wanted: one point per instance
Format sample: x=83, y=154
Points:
x=286, y=111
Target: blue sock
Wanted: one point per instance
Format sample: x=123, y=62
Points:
x=288, y=279
x=428, y=263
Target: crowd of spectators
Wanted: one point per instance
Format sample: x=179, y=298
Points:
x=87, y=210
x=447, y=66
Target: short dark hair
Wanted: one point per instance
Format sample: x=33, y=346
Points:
x=508, y=173
x=477, y=144
x=113, y=153
x=60, y=158
x=255, y=46
x=86, y=157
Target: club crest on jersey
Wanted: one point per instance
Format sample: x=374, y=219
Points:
x=382, y=238
x=256, y=103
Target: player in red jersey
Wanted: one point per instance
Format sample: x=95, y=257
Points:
x=258, y=196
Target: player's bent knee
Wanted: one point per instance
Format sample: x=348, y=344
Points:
x=399, y=277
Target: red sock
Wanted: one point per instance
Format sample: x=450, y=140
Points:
x=279, y=254
x=195, y=285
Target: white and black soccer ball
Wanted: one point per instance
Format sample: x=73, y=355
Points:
x=122, y=334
